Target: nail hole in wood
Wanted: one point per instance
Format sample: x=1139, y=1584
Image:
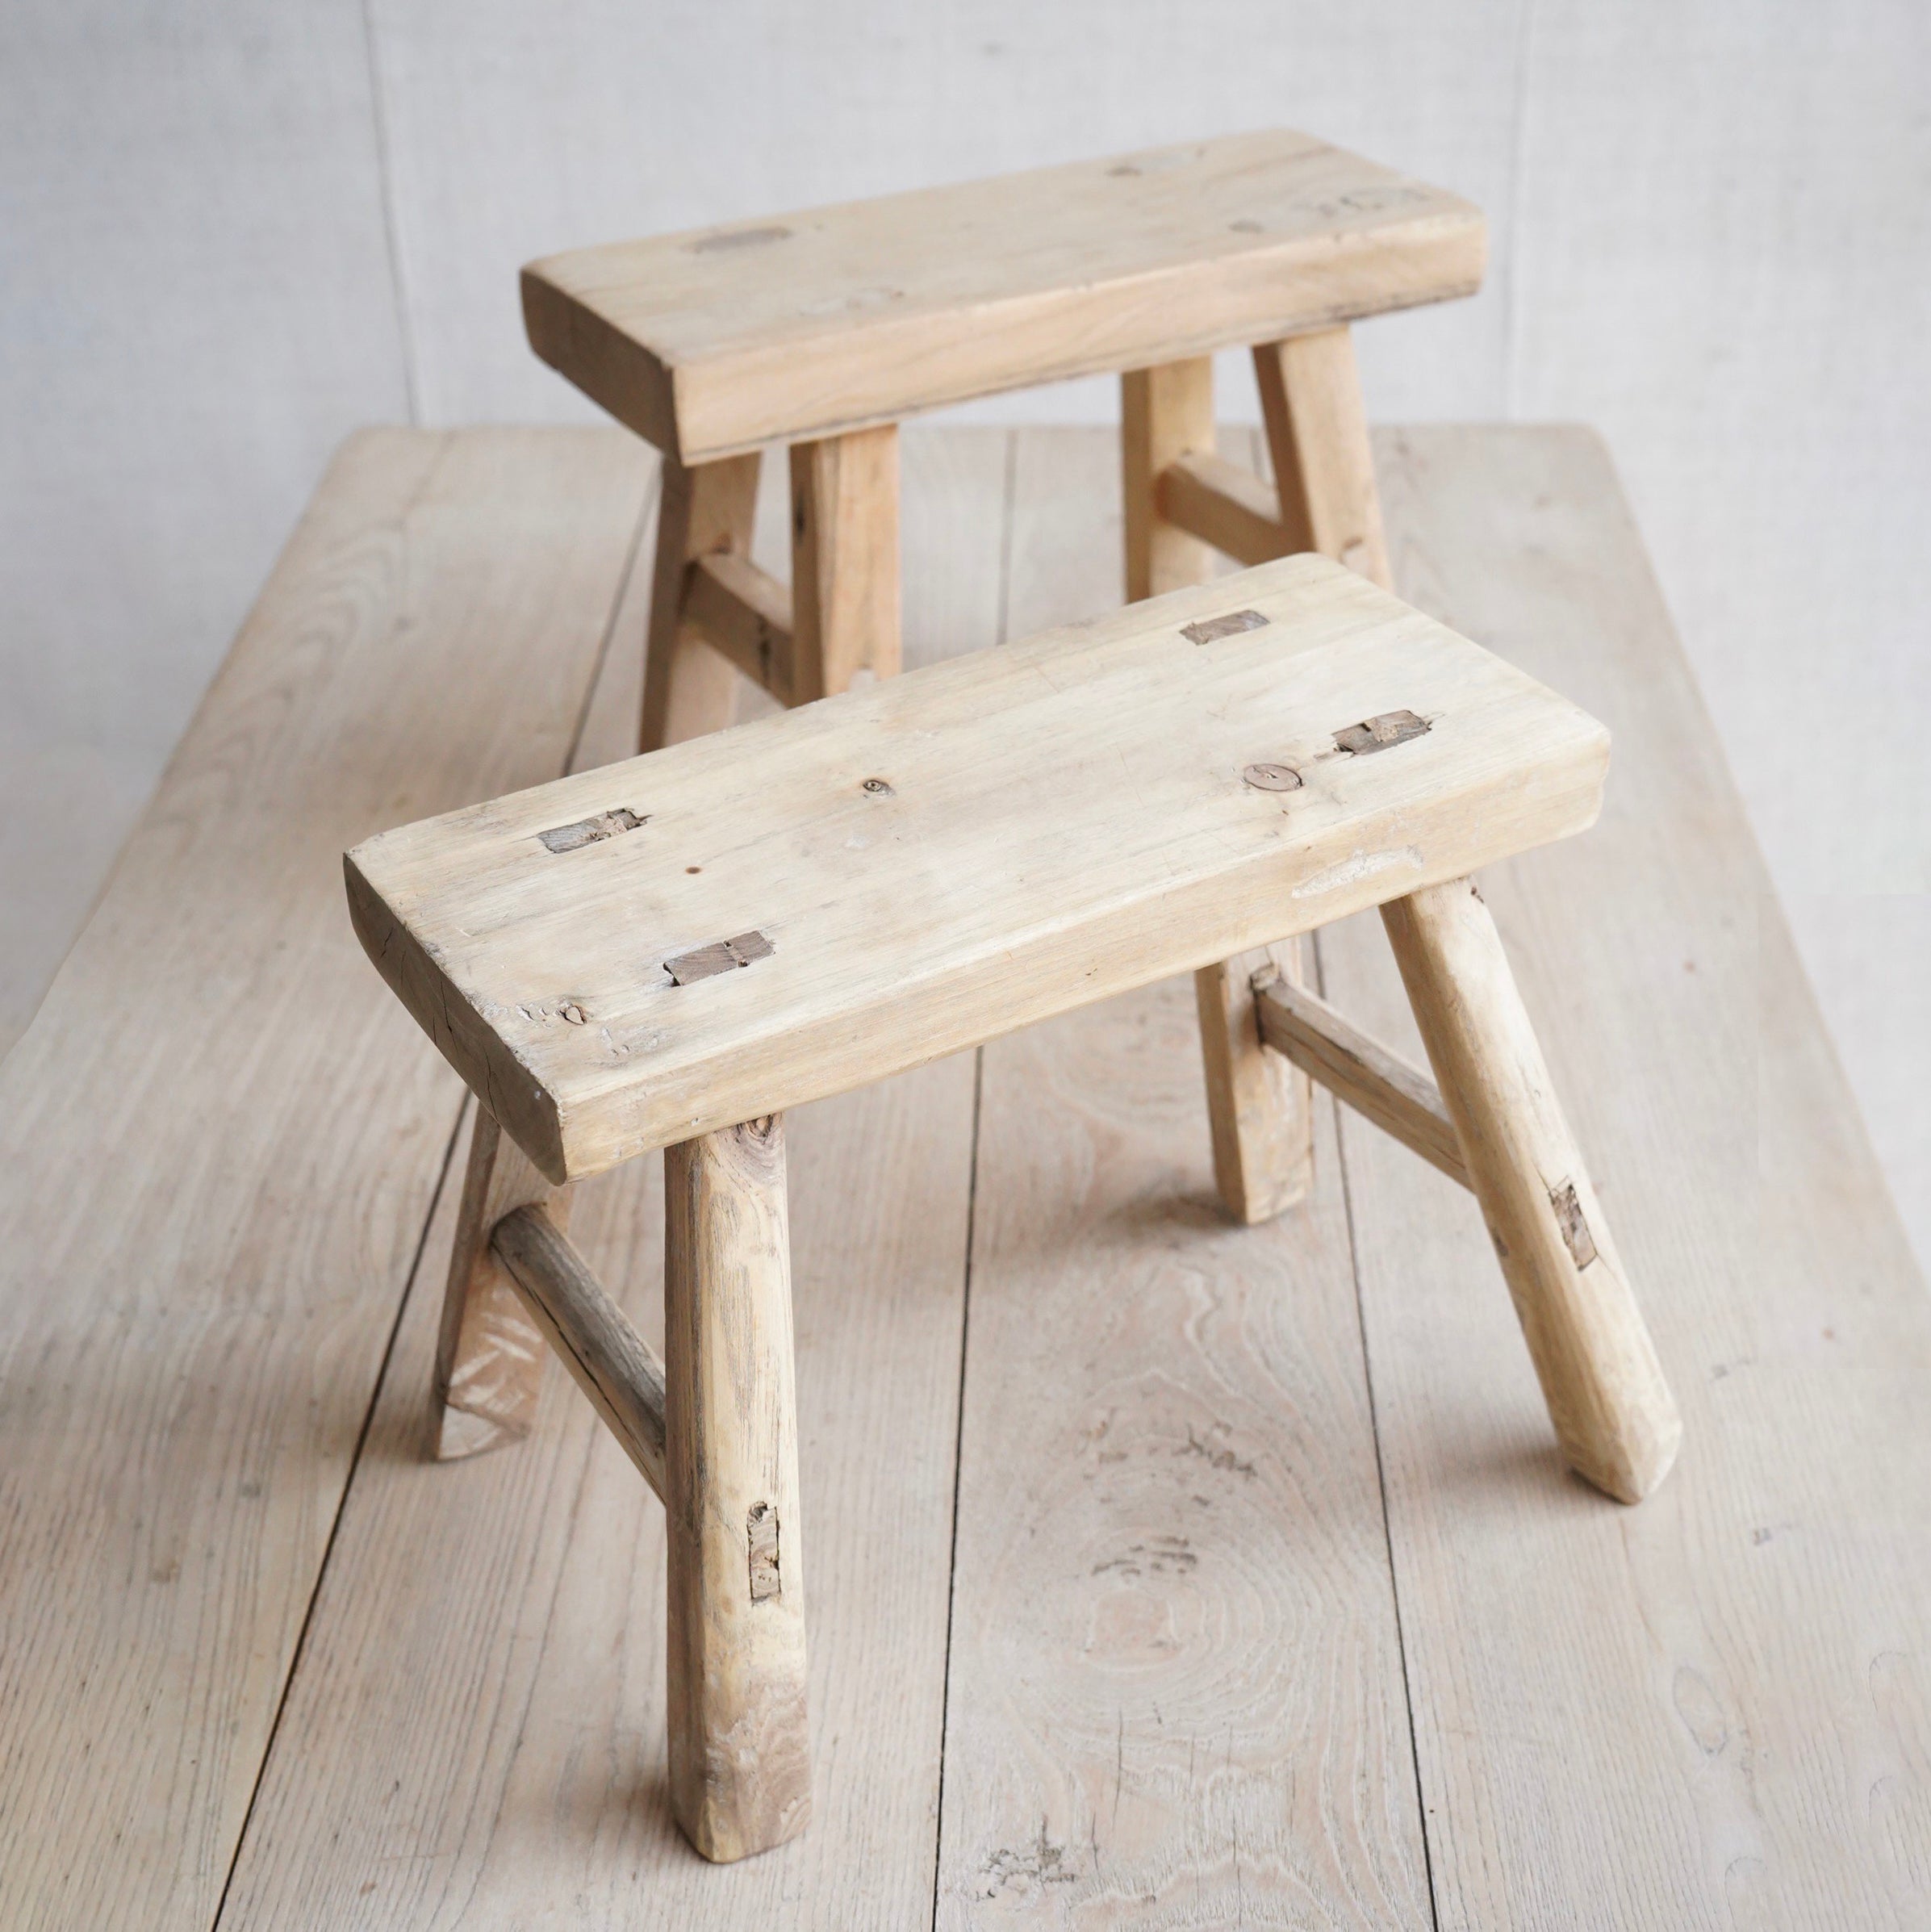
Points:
x=1207, y=628
x=878, y=787
x=1378, y=733
x=587, y=831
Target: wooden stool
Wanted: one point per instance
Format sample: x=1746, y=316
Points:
x=823, y=329
x=660, y=955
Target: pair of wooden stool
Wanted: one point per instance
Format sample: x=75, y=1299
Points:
x=669, y=952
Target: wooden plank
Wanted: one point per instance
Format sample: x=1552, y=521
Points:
x=812, y=324
x=607, y=1358
x=1612, y=1410
x=1175, y=1688
x=1222, y=503
x=1379, y=1085
x=479, y=1717
x=1708, y=1711
x=746, y=613
x=489, y=1353
x=949, y=855
x=844, y=561
x=1317, y=440
x=1166, y=414
x=217, y=1148
x=740, y=1743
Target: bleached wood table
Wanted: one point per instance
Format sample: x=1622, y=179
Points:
x=1225, y=1568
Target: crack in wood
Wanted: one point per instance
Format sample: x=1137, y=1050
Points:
x=587, y=831
x=1378, y=733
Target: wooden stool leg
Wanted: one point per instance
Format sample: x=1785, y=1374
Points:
x=1317, y=440
x=1260, y=1107
x=690, y=689
x=1612, y=1411
x=489, y=1354
x=1166, y=413
x=740, y=1753
x=844, y=578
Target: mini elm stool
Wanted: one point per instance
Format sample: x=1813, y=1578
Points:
x=824, y=329
x=669, y=952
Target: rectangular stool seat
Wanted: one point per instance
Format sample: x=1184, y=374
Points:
x=713, y=342
x=639, y=955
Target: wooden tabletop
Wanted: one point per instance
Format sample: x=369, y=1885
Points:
x=1159, y=1566
x=802, y=325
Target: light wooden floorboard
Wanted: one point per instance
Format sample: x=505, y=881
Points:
x=1175, y=1694
x=1714, y=1710
x=218, y=1143
x=479, y=1716
x=222, y=1140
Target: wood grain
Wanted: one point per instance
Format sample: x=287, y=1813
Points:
x=1176, y=1688
x=1379, y=1085
x=480, y=1718
x=1316, y=441
x=220, y=1149
x=489, y=1352
x=705, y=510
x=613, y=1365
x=1612, y=1410
x=744, y=613
x=1704, y=1713
x=945, y=856
x=1708, y=1712
x=794, y=327
x=1224, y=505
x=1260, y=1105
x=845, y=562
x=1166, y=413
x=734, y=1588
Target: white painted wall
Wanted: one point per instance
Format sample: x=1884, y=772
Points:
x=231, y=230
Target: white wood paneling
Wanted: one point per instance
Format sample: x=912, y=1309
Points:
x=195, y=308
x=1723, y=239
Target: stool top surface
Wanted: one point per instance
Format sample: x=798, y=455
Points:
x=715, y=342
x=742, y=922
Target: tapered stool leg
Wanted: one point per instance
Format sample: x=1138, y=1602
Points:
x=740, y=1752
x=1612, y=1411
x=1166, y=413
x=489, y=1356
x=689, y=687
x=1259, y=1108
x=1317, y=440
x=844, y=561
x=1260, y=1105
